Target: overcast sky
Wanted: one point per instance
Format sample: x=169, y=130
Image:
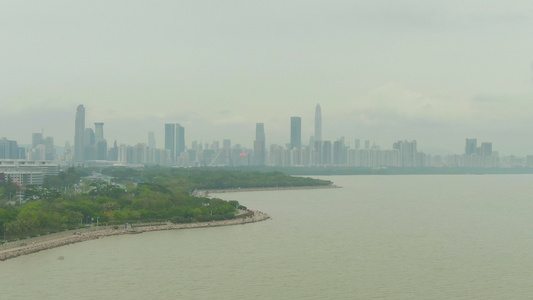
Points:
x=434, y=71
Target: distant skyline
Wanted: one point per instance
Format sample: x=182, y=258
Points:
x=382, y=71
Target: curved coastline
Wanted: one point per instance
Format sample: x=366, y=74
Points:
x=202, y=193
x=24, y=249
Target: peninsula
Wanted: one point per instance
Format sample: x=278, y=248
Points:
x=83, y=204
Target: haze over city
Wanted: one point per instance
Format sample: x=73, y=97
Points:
x=382, y=71
x=281, y=149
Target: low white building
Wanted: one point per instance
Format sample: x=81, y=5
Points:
x=24, y=176
x=28, y=172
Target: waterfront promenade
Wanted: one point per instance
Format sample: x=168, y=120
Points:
x=23, y=247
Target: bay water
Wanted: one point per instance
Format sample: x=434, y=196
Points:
x=377, y=237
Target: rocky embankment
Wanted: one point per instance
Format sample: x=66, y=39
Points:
x=249, y=217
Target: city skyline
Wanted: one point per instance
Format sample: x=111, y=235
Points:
x=382, y=71
x=174, y=138
x=91, y=148
x=318, y=152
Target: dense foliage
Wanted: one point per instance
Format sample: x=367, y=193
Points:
x=213, y=178
x=66, y=179
x=8, y=190
x=68, y=201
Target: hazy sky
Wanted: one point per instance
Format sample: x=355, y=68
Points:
x=434, y=71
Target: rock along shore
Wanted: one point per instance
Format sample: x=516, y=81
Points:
x=80, y=237
x=205, y=193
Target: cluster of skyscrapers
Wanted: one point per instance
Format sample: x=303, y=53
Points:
x=89, y=144
x=91, y=148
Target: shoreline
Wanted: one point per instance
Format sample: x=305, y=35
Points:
x=24, y=249
x=12, y=250
x=236, y=190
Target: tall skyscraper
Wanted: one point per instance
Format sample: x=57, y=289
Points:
x=260, y=132
x=36, y=139
x=151, y=140
x=340, y=152
x=259, y=145
x=49, y=148
x=471, y=146
x=170, y=140
x=174, y=140
x=485, y=149
x=89, y=137
x=9, y=149
x=296, y=133
x=89, y=145
x=100, y=142
x=318, y=123
x=180, y=139
x=99, y=131
x=113, y=152
x=79, y=133
x=296, y=141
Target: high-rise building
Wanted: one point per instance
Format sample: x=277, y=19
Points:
x=99, y=131
x=49, y=148
x=89, y=145
x=140, y=153
x=408, y=153
x=327, y=153
x=37, y=153
x=339, y=152
x=259, y=145
x=260, y=132
x=174, y=140
x=486, y=149
x=296, y=133
x=36, y=139
x=42, y=148
x=318, y=123
x=101, y=150
x=79, y=133
x=215, y=146
x=180, y=139
x=226, y=144
x=296, y=141
x=471, y=146
x=89, y=137
x=151, y=140
x=113, y=152
x=100, y=142
x=170, y=140
x=9, y=149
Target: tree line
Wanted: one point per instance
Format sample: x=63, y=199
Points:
x=69, y=201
